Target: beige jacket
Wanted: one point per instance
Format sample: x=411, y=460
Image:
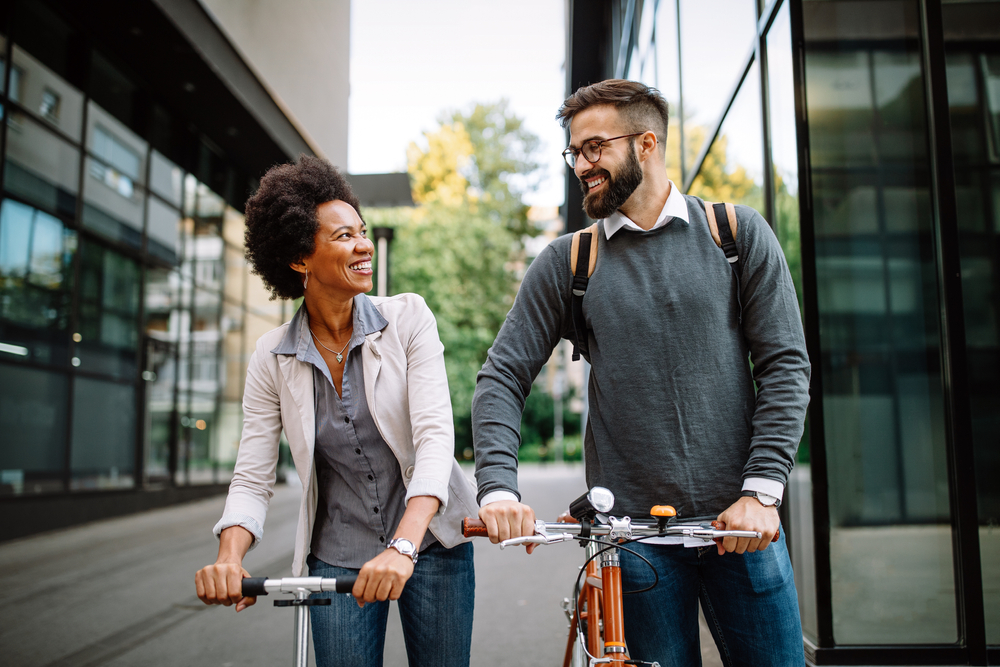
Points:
x=407, y=391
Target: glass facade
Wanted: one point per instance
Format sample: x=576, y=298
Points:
x=126, y=313
x=825, y=115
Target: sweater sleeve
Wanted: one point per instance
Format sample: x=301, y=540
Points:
x=772, y=326
x=534, y=325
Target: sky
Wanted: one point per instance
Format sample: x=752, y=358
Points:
x=413, y=61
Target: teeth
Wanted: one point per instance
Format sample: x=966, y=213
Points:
x=362, y=266
x=594, y=184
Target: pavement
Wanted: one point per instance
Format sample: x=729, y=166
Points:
x=121, y=592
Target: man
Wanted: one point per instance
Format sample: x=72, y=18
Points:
x=675, y=417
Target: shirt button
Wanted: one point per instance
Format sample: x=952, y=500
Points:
x=371, y=478
x=376, y=510
x=381, y=539
x=357, y=451
x=347, y=420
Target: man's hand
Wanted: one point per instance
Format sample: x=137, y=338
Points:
x=222, y=583
x=383, y=577
x=505, y=519
x=748, y=514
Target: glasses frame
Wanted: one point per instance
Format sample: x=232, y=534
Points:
x=571, y=154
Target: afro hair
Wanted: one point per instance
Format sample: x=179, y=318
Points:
x=281, y=220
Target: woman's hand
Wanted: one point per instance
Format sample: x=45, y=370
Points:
x=222, y=583
x=383, y=577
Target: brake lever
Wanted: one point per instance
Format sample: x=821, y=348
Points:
x=536, y=539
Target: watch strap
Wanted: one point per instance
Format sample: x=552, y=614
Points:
x=757, y=494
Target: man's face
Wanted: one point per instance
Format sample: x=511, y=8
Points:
x=608, y=183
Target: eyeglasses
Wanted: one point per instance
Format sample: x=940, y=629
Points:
x=591, y=149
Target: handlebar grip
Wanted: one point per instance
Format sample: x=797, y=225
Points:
x=473, y=528
x=253, y=586
x=721, y=525
x=345, y=583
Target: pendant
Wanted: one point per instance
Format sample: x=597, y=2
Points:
x=340, y=358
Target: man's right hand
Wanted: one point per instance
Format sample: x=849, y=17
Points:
x=222, y=583
x=505, y=519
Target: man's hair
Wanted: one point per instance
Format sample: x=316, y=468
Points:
x=641, y=107
x=281, y=219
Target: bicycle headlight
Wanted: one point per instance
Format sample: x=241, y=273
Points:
x=586, y=507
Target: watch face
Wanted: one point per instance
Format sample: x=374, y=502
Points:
x=403, y=546
x=766, y=499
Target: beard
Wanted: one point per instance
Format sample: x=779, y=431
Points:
x=617, y=190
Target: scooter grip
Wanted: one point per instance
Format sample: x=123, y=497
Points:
x=345, y=583
x=474, y=528
x=253, y=586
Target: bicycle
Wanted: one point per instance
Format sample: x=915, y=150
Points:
x=596, y=623
x=301, y=588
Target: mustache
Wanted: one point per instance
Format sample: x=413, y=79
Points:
x=596, y=171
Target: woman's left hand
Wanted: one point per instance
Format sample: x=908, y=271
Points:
x=383, y=577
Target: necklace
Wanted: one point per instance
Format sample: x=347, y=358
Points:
x=340, y=355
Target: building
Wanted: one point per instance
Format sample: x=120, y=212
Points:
x=868, y=134
x=134, y=131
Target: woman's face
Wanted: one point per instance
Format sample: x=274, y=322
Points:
x=342, y=260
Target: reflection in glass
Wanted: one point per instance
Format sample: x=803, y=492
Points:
x=107, y=336
x=892, y=571
x=40, y=167
x=716, y=38
x=45, y=94
x=164, y=319
x=36, y=254
x=733, y=170
x=102, y=453
x=33, y=417
x=3, y=63
x=972, y=34
x=165, y=178
x=163, y=231
x=113, y=206
x=205, y=380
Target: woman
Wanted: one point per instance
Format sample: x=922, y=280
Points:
x=358, y=385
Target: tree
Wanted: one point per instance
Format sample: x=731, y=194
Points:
x=457, y=247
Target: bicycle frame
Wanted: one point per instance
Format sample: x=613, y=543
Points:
x=598, y=604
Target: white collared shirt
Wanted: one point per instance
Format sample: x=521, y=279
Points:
x=675, y=207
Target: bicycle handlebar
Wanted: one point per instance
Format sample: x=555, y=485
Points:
x=548, y=533
x=254, y=586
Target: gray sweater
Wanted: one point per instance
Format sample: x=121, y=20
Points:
x=674, y=415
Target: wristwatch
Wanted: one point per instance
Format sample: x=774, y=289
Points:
x=764, y=499
x=403, y=546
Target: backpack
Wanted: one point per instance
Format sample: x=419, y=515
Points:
x=583, y=253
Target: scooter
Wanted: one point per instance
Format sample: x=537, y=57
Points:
x=301, y=588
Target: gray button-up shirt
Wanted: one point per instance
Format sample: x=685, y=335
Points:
x=361, y=491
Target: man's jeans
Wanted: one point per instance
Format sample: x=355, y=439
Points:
x=749, y=602
x=435, y=609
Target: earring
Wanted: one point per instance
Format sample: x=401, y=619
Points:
x=305, y=283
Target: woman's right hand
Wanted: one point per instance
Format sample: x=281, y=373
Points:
x=222, y=583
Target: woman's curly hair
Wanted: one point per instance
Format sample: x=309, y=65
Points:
x=281, y=220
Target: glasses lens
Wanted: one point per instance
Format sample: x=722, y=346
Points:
x=570, y=158
x=592, y=151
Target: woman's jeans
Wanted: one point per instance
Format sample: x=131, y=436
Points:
x=435, y=609
x=749, y=602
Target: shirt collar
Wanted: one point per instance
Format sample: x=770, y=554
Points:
x=298, y=339
x=674, y=207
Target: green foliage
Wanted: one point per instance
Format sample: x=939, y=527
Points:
x=457, y=247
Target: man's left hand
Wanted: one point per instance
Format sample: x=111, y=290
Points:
x=748, y=514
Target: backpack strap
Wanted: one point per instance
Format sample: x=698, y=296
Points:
x=725, y=235
x=582, y=261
